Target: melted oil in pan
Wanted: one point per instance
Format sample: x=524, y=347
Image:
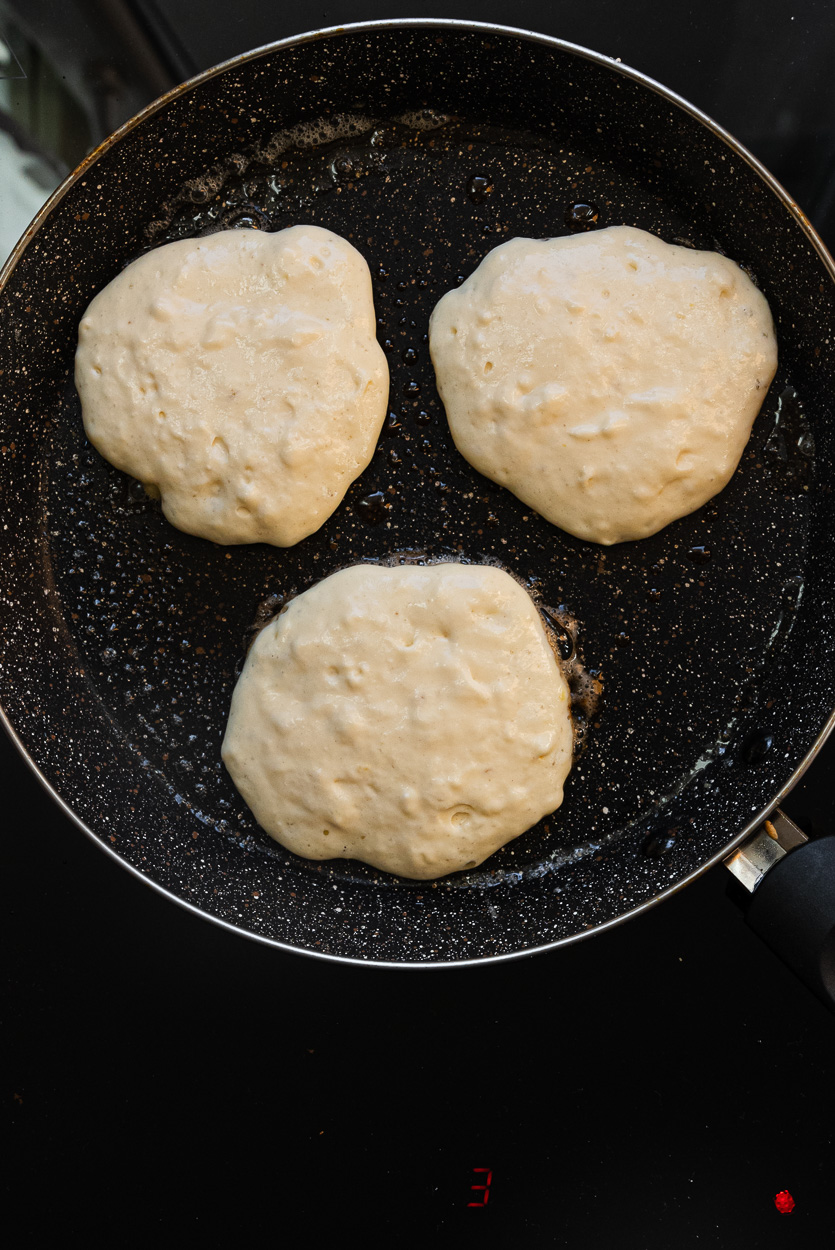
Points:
x=161, y=620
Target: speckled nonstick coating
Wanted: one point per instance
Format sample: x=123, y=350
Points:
x=122, y=638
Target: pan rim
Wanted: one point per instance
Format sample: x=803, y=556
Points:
x=449, y=24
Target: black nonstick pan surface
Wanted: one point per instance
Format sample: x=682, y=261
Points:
x=426, y=145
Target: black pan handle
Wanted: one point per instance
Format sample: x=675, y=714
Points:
x=792, y=908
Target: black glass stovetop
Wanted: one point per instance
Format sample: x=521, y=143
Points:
x=654, y=1087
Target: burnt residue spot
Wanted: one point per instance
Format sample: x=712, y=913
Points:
x=581, y=216
x=700, y=555
x=268, y=609
x=585, y=684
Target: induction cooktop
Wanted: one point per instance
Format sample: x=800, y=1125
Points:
x=668, y=1083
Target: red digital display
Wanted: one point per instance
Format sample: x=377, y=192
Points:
x=784, y=1202
x=483, y=1189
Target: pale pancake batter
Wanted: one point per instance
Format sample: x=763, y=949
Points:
x=609, y=379
x=239, y=377
x=412, y=717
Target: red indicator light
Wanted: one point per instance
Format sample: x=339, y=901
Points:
x=484, y=1189
x=784, y=1202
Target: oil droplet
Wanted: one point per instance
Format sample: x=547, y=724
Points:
x=700, y=555
x=563, y=637
x=654, y=594
x=423, y=416
x=412, y=388
x=658, y=844
x=409, y=356
x=581, y=216
x=391, y=425
x=478, y=188
x=373, y=508
x=245, y=217
x=756, y=746
x=806, y=444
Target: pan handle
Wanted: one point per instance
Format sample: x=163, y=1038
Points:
x=792, y=908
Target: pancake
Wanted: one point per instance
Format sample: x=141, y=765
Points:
x=238, y=377
x=609, y=379
x=414, y=718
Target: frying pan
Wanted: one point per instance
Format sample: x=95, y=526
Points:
x=425, y=143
